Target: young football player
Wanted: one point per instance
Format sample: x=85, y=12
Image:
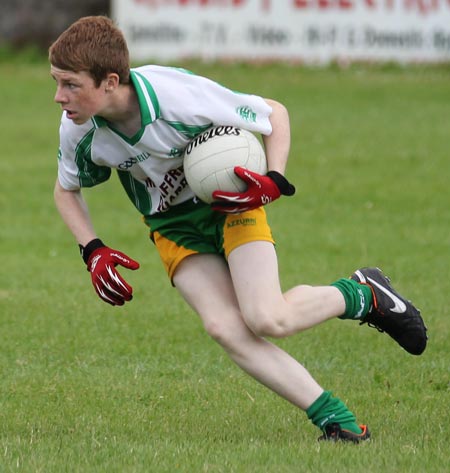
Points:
x=220, y=258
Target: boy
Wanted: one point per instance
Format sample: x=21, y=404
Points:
x=138, y=122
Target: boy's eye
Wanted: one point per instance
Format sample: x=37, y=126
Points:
x=70, y=85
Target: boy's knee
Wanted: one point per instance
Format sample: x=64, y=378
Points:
x=227, y=334
x=217, y=330
x=265, y=322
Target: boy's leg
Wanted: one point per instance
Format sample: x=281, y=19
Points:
x=367, y=297
x=269, y=312
x=204, y=281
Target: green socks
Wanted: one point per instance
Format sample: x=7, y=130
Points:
x=358, y=298
x=328, y=410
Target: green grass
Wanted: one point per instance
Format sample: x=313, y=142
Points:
x=90, y=388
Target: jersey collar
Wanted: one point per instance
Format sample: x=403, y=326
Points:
x=148, y=104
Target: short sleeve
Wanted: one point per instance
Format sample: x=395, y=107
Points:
x=75, y=166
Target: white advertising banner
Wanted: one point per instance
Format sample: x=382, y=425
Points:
x=310, y=31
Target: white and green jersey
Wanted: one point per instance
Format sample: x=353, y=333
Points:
x=175, y=107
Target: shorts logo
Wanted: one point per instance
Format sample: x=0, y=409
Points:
x=246, y=113
x=241, y=221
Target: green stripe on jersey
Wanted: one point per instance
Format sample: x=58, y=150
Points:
x=89, y=173
x=189, y=131
x=148, y=101
x=136, y=191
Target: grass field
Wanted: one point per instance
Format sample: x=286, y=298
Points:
x=90, y=388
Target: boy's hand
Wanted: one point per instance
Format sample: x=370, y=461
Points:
x=108, y=283
x=261, y=190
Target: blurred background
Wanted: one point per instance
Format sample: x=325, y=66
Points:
x=303, y=31
x=36, y=23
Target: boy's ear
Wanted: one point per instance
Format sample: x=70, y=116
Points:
x=111, y=82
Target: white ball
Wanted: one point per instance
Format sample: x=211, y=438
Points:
x=210, y=158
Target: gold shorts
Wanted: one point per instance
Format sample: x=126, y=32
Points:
x=192, y=228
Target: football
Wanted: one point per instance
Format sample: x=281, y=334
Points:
x=210, y=159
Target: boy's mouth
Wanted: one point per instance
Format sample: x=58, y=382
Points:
x=70, y=114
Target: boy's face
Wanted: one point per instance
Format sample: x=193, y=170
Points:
x=77, y=94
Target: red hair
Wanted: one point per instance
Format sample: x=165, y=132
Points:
x=93, y=44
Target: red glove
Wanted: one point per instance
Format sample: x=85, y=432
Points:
x=261, y=190
x=101, y=262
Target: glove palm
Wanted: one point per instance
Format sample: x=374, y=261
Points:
x=261, y=190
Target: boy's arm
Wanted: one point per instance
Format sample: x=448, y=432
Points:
x=101, y=260
x=74, y=212
x=278, y=143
